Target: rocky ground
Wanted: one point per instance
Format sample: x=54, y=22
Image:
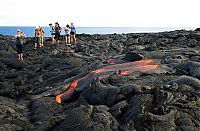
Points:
x=167, y=99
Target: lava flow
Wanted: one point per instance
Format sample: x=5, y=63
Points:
x=124, y=69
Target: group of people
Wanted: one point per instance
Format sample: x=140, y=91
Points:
x=70, y=32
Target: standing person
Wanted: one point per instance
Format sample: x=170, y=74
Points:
x=67, y=34
x=57, y=32
x=52, y=30
x=19, y=45
x=72, y=33
x=38, y=37
x=42, y=36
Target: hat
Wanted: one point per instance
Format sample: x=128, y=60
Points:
x=18, y=30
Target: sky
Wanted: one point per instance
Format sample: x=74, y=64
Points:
x=101, y=13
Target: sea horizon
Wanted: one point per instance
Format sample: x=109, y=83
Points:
x=29, y=30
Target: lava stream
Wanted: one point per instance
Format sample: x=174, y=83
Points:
x=125, y=69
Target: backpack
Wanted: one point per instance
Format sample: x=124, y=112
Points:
x=58, y=29
x=20, y=41
x=52, y=30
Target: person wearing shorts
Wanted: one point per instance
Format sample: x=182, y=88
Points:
x=67, y=34
x=72, y=33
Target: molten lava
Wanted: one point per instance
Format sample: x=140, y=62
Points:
x=124, y=69
x=124, y=72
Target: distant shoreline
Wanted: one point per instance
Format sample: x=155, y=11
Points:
x=29, y=31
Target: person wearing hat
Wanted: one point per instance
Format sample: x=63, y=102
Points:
x=19, y=45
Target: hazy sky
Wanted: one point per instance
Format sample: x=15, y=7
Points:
x=106, y=13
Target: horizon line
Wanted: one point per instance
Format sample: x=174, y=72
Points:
x=108, y=26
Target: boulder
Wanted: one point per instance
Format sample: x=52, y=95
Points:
x=14, y=63
x=133, y=56
x=88, y=118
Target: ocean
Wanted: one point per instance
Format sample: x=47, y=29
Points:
x=29, y=30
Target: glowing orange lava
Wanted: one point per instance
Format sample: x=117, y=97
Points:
x=98, y=71
x=73, y=85
x=124, y=72
x=124, y=69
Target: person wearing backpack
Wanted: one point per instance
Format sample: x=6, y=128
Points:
x=19, y=45
x=57, y=32
x=72, y=33
x=52, y=31
x=38, y=37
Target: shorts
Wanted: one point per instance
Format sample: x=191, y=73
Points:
x=72, y=33
x=67, y=34
x=57, y=36
x=19, y=48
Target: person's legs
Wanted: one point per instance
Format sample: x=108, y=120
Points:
x=52, y=39
x=71, y=38
x=58, y=38
x=21, y=56
x=36, y=42
x=42, y=40
x=74, y=37
x=35, y=46
x=19, y=51
x=68, y=39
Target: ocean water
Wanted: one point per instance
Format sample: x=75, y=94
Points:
x=29, y=31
